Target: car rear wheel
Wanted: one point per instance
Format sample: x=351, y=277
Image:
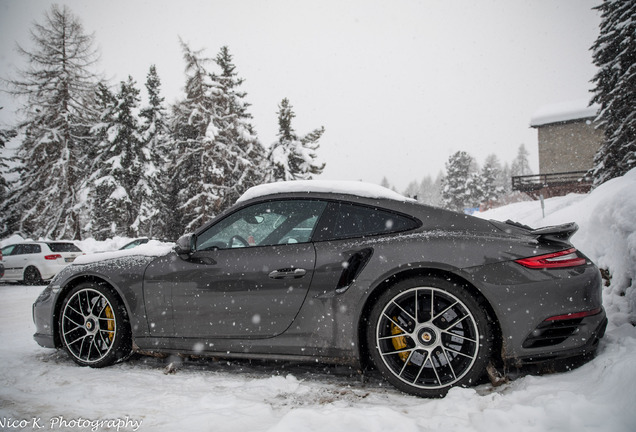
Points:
x=32, y=276
x=429, y=334
x=94, y=326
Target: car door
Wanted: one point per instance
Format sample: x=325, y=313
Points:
x=11, y=261
x=247, y=277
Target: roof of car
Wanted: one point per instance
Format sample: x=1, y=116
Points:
x=355, y=188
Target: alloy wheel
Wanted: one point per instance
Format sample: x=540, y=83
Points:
x=88, y=326
x=427, y=338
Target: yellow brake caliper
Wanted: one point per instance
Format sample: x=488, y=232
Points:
x=111, y=322
x=399, y=343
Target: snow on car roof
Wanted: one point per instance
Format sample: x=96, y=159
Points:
x=367, y=190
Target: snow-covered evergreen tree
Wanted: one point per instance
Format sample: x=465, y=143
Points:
x=197, y=176
x=504, y=180
x=118, y=166
x=521, y=165
x=5, y=203
x=614, y=53
x=5, y=136
x=430, y=190
x=490, y=175
x=412, y=190
x=458, y=184
x=239, y=154
x=57, y=87
x=153, y=191
x=293, y=157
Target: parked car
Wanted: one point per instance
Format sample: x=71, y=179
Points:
x=35, y=262
x=359, y=275
x=139, y=241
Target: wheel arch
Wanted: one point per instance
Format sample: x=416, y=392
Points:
x=27, y=266
x=387, y=282
x=68, y=287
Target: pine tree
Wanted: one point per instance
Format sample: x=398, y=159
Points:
x=614, y=53
x=153, y=191
x=239, y=153
x=490, y=175
x=521, y=166
x=430, y=191
x=385, y=183
x=291, y=157
x=5, y=136
x=412, y=190
x=504, y=180
x=57, y=87
x=118, y=167
x=196, y=174
x=96, y=217
x=457, y=192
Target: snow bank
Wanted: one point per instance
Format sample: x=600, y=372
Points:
x=367, y=190
x=564, y=111
x=11, y=240
x=607, y=234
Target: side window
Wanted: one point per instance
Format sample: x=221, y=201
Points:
x=32, y=249
x=20, y=249
x=359, y=221
x=264, y=224
x=6, y=251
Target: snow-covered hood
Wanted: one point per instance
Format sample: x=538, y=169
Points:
x=153, y=248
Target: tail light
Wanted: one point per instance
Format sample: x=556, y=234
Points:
x=575, y=315
x=52, y=257
x=566, y=258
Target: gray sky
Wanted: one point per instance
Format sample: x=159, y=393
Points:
x=399, y=85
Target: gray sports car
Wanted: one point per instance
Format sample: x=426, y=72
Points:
x=334, y=273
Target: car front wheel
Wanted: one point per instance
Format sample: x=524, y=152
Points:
x=94, y=326
x=429, y=334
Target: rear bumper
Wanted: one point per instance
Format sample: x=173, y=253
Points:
x=588, y=332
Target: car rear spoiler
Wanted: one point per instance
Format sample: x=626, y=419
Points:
x=561, y=232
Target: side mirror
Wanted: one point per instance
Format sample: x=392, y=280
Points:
x=186, y=244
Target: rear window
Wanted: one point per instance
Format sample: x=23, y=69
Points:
x=63, y=247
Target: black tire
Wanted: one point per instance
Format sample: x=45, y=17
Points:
x=93, y=326
x=32, y=276
x=425, y=353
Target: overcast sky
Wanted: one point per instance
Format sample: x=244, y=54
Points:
x=399, y=85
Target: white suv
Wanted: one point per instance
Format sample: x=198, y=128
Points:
x=34, y=262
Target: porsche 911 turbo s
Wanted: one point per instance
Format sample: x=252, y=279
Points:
x=338, y=273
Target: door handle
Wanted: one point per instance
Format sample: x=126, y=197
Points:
x=288, y=273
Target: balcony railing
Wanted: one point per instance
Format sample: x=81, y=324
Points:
x=535, y=182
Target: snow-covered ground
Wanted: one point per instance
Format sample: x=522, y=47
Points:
x=41, y=388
